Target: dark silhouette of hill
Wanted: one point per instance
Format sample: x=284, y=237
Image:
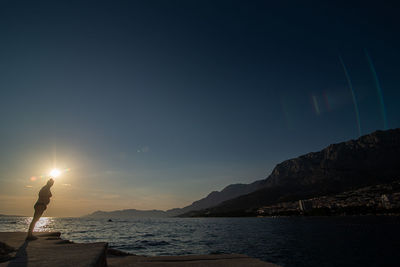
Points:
x=217, y=197
x=213, y=199
x=371, y=159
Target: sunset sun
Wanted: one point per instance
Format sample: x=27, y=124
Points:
x=55, y=173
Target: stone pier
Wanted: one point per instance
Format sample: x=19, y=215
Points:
x=50, y=250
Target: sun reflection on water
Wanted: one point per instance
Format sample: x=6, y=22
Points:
x=44, y=224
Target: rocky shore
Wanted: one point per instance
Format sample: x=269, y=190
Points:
x=51, y=250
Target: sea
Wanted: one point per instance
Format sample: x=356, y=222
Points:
x=286, y=241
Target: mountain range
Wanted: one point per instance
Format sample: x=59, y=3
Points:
x=371, y=159
x=212, y=199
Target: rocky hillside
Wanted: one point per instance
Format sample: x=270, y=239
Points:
x=371, y=159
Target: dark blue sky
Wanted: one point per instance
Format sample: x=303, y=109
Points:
x=178, y=98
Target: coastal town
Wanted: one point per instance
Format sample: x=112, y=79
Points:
x=375, y=199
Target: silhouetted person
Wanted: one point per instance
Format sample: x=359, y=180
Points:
x=40, y=207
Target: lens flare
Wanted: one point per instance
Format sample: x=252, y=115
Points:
x=353, y=95
x=378, y=89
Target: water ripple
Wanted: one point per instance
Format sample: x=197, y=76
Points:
x=355, y=241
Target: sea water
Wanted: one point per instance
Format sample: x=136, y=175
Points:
x=294, y=241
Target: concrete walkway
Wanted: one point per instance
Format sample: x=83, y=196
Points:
x=50, y=250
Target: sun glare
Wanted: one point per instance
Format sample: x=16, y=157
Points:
x=55, y=173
